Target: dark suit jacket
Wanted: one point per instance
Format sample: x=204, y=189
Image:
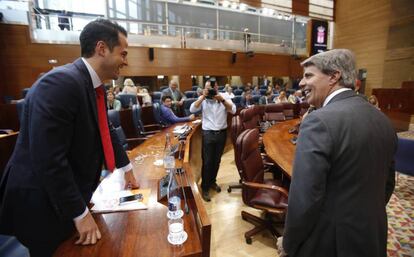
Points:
x=57, y=159
x=343, y=176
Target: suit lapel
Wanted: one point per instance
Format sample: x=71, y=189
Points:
x=89, y=87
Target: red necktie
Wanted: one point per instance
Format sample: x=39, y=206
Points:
x=104, y=129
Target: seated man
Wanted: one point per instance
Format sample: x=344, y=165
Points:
x=296, y=97
x=247, y=100
x=176, y=96
x=167, y=115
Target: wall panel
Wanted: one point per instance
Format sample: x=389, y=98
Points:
x=22, y=61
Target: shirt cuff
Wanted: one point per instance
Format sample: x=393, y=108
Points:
x=126, y=168
x=82, y=215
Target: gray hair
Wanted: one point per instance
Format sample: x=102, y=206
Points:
x=342, y=60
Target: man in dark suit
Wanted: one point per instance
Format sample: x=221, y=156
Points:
x=343, y=173
x=63, y=142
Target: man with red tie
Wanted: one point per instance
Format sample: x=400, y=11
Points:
x=64, y=140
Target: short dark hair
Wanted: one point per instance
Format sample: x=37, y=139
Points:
x=165, y=98
x=99, y=30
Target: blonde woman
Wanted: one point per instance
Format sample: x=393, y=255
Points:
x=129, y=87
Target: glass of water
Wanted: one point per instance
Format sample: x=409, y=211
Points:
x=176, y=231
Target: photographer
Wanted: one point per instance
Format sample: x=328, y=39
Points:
x=214, y=124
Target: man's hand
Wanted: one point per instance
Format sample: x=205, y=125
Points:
x=219, y=97
x=88, y=230
x=180, y=103
x=130, y=181
x=192, y=117
x=279, y=246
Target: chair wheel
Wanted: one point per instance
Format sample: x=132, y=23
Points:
x=229, y=190
x=248, y=241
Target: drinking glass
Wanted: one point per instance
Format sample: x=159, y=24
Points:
x=176, y=231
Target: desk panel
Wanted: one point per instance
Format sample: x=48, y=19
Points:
x=144, y=232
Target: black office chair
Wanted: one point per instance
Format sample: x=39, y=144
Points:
x=140, y=128
x=187, y=103
x=115, y=121
x=156, y=97
x=127, y=100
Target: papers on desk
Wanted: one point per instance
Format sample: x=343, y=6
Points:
x=178, y=130
x=106, y=197
x=197, y=121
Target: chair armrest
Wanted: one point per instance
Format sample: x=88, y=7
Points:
x=265, y=186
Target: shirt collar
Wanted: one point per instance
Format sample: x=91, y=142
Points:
x=329, y=98
x=96, y=81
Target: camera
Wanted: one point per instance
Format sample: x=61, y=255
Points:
x=211, y=93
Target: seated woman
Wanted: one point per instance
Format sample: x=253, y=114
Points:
x=129, y=87
x=142, y=91
x=374, y=101
x=228, y=92
x=281, y=98
x=167, y=115
x=111, y=102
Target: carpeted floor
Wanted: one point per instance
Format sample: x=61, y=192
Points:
x=400, y=211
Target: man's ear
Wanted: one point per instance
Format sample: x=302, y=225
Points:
x=100, y=48
x=334, y=78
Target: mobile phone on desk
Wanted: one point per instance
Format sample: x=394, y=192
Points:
x=130, y=198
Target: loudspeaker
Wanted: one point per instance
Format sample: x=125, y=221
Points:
x=151, y=53
x=233, y=57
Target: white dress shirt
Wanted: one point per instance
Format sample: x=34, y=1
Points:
x=214, y=114
x=334, y=93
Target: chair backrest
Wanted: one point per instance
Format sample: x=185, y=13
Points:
x=263, y=87
x=156, y=108
x=237, y=100
x=163, y=87
x=190, y=94
x=156, y=97
x=256, y=98
x=404, y=161
x=194, y=88
x=127, y=99
x=274, y=112
x=252, y=169
x=238, y=92
x=221, y=88
x=236, y=130
x=113, y=117
x=288, y=110
x=137, y=120
x=249, y=118
x=186, y=104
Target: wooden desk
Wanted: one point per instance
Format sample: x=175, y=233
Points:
x=278, y=146
x=144, y=232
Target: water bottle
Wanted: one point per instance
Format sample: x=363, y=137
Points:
x=169, y=160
